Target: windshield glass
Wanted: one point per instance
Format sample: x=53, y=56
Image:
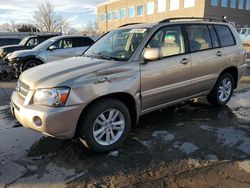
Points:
x=24, y=41
x=44, y=44
x=117, y=45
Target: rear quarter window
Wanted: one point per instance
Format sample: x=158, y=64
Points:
x=225, y=36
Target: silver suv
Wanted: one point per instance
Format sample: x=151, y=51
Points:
x=130, y=71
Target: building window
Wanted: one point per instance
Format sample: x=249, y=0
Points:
x=174, y=4
x=189, y=3
x=109, y=16
x=103, y=17
x=248, y=5
x=161, y=5
x=131, y=12
x=241, y=4
x=116, y=14
x=224, y=3
x=139, y=10
x=215, y=2
x=123, y=13
x=150, y=8
x=233, y=4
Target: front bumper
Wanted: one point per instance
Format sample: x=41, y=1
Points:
x=56, y=122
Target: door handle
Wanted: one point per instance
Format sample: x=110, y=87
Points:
x=219, y=53
x=184, y=61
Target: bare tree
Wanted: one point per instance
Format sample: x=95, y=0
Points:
x=10, y=27
x=46, y=18
x=91, y=28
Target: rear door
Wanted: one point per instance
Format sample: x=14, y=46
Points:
x=207, y=56
x=168, y=79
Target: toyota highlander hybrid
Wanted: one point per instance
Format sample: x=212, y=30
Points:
x=130, y=71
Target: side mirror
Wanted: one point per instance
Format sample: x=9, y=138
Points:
x=53, y=47
x=152, y=54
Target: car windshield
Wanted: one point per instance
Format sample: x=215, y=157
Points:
x=24, y=41
x=44, y=44
x=117, y=45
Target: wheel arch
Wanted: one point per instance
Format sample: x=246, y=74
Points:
x=126, y=98
x=31, y=58
x=234, y=72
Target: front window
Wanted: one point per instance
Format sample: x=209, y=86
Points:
x=118, y=44
x=24, y=41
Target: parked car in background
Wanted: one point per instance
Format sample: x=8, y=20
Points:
x=9, y=40
x=245, y=35
x=55, y=48
x=27, y=43
x=129, y=72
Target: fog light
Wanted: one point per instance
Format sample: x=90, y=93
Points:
x=37, y=121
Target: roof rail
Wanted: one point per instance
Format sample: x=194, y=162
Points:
x=210, y=19
x=128, y=24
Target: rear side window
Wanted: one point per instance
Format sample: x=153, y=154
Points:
x=199, y=37
x=82, y=41
x=215, y=40
x=225, y=36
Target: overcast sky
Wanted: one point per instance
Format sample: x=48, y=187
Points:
x=21, y=11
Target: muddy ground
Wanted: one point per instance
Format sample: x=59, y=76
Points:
x=188, y=145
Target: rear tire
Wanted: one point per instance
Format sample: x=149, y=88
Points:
x=105, y=125
x=30, y=64
x=223, y=90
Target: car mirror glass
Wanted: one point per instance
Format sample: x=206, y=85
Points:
x=152, y=54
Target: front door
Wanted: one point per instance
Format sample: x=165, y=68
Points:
x=168, y=79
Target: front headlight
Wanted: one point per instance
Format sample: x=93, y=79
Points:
x=55, y=97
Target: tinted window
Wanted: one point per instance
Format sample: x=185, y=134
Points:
x=225, y=36
x=170, y=40
x=199, y=37
x=83, y=41
x=215, y=40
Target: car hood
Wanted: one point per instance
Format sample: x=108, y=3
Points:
x=24, y=53
x=12, y=48
x=69, y=72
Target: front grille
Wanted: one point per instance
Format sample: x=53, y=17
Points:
x=22, y=88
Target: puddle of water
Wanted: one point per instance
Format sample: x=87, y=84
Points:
x=187, y=148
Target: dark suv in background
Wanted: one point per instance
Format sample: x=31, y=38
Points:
x=27, y=43
x=9, y=41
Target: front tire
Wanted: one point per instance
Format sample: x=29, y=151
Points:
x=30, y=64
x=223, y=90
x=105, y=125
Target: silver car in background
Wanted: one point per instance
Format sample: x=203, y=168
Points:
x=55, y=48
x=245, y=35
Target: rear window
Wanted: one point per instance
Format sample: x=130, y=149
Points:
x=199, y=37
x=225, y=35
x=83, y=41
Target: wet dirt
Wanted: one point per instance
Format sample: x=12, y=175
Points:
x=170, y=147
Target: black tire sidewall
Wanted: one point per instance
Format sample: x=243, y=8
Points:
x=87, y=123
x=213, y=97
x=26, y=64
